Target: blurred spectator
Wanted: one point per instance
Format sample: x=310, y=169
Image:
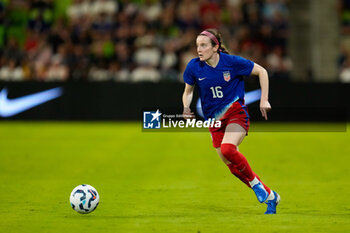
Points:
x=41, y=59
x=117, y=73
x=145, y=72
x=2, y=11
x=78, y=61
x=169, y=61
x=12, y=50
x=123, y=55
x=278, y=64
x=151, y=10
x=11, y=71
x=210, y=14
x=187, y=15
x=102, y=23
x=345, y=73
x=98, y=73
x=147, y=52
x=57, y=71
x=2, y=23
x=40, y=16
x=272, y=8
x=344, y=15
x=78, y=9
x=185, y=57
x=108, y=7
x=344, y=65
x=27, y=69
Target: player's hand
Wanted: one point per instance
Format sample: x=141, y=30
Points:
x=264, y=108
x=187, y=114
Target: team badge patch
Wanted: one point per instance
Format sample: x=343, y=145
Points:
x=227, y=76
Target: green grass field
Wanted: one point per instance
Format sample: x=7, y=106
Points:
x=168, y=182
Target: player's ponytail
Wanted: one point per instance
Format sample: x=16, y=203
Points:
x=216, y=39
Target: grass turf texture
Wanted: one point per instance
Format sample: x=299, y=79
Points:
x=167, y=182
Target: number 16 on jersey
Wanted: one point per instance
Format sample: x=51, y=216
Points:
x=217, y=93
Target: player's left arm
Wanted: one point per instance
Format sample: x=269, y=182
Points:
x=264, y=84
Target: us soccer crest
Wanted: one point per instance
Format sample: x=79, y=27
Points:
x=227, y=76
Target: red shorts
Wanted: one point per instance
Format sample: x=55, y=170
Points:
x=238, y=114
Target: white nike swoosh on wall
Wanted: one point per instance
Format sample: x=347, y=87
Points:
x=249, y=97
x=252, y=96
x=11, y=107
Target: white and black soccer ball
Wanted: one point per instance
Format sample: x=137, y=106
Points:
x=84, y=199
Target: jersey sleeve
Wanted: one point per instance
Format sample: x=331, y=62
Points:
x=243, y=66
x=188, y=76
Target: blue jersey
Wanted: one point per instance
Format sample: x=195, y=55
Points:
x=221, y=86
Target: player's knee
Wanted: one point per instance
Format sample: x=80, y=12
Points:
x=228, y=150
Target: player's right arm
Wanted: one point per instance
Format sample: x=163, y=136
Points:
x=187, y=100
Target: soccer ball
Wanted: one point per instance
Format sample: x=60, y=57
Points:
x=84, y=199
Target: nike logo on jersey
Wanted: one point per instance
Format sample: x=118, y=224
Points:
x=200, y=79
x=11, y=107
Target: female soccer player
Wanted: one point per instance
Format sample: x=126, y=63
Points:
x=221, y=87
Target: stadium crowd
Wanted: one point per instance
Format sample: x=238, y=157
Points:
x=344, y=57
x=134, y=40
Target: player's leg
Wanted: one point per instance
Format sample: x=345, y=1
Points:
x=232, y=168
x=217, y=135
x=217, y=138
x=234, y=135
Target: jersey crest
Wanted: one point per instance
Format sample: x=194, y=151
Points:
x=227, y=76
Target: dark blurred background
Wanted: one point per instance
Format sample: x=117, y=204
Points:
x=113, y=58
